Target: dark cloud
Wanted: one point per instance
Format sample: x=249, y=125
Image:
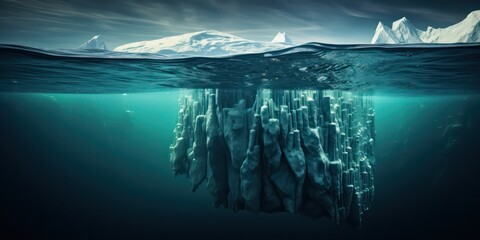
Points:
x=68, y=23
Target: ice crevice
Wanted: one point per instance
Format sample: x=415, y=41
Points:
x=300, y=151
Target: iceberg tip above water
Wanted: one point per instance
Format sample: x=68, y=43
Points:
x=403, y=32
x=282, y=38
x=95, y=42
x=203, y=43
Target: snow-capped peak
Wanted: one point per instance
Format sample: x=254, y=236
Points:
x=384, y=34
x=282, y=38
x=95, y=43
x=202, y=43
x=474, y=15
x=381, y=27
x=468, y=30
x=402, y=21
x=405, y=31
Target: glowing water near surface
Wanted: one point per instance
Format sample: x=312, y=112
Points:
x=97, y=165
x=394, y=68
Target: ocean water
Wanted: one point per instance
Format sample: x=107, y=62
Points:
x=85, y=139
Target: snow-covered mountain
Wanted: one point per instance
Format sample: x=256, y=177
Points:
x=203, y=43
x=95, y=43
x=282, y=38
x=403, y=31
x=384, y=34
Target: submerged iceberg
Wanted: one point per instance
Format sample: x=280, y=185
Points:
x=301, y=151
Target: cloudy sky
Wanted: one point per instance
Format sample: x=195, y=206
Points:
x=69, y=23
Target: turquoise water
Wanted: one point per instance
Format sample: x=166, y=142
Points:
x=85, y=152
x=443, y=68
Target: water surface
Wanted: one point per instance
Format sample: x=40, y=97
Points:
x=85, y=136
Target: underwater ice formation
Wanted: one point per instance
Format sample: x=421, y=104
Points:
x=304, y=151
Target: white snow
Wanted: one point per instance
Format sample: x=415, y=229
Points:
x=402, y=31
x=95, y=43
x=203, y=43
x=384, y=34
x=405, y=31
x=467, y=30
x=282, y=38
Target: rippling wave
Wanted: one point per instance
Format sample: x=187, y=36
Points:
x=426, y=68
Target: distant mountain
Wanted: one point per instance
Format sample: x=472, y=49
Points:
x=203, y=43
x=403, y=32
x=282, y=38
x=95, y=43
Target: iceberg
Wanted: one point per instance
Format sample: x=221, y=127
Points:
x=403, y=32
x=299, y=151
x=384, y=34
x=202, y=43
x=94, y=43
x=282, y=38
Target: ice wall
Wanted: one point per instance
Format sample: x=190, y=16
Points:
x=304, y=151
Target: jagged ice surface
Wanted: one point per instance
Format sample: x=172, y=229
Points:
x=203, y=43
x=402, y=31
x=95, y=43
x=282, y=38
x=310, y=152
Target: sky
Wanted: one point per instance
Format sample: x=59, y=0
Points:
x=54, y=24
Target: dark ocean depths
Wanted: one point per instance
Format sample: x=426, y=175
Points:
x=85, y=136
